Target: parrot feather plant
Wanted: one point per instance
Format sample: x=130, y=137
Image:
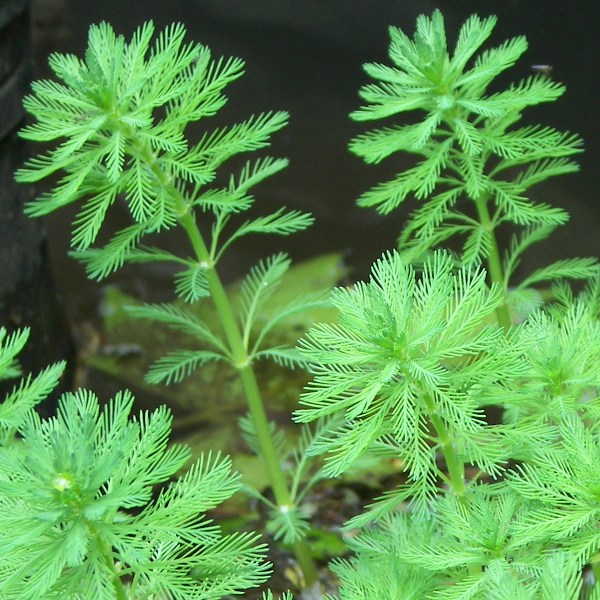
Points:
x=474, y=164
x=79, y=514
x=119, y=119
x=486, y=508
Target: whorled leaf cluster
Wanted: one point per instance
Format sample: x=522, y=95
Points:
x=118, y=118
x=87, y=510
x=466, y=139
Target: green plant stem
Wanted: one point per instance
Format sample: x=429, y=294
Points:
x=493, y=260
x=595, y=562
x=456, y=469
x=250, y=386
x=240, y=358
x=106, y=553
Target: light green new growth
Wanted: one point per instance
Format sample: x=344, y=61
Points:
x=78, y=518
x=80, y=512
x=462, y=550
x=406, y=365
x=500, y=507
x=414, y=359
x=116, y=145
x=475, y=165
x=563, y=367
x=564, y=482
x=119, y=118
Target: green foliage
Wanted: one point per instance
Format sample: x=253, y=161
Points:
x=269, y=596
x=10, y=346
x=29, y=392
x=575, y=268
x=563, y=481
x=465, y=138
x=290, y=523
x=563, y=376
x=80, y=520
x=498, y=508
x=255, y=323
x=122, y=113
x=258, y=287
x=481, y=556
x=414, y=359
x=377, y=571
x=408, y=356
x=179, y=364
x=119, y=119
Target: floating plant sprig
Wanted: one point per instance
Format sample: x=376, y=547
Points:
x=119, y=117
x=475, y=165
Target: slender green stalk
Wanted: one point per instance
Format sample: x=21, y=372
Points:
x=456, y=468
x=120, y=593
x=595, y=563
x=493, y=260
x=241, y=362
x=250, y=387
x=105, y=551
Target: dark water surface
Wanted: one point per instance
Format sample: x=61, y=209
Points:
x=305, y=57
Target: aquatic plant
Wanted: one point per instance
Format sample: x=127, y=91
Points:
x=475, y=165
x=502, y=508
x=430, y=342
x=78, y=515
x=119, y=118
